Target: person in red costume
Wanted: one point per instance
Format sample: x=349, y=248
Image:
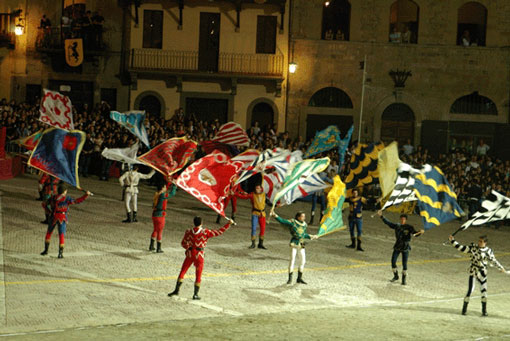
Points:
x=258, y=214
x=48, y=190
x=194, y=242
x=159, y=213
x=59, y=208
x=232, y=197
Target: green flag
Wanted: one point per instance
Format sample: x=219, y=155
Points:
x=332, y=220
x=298, y=174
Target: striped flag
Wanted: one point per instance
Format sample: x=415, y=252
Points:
x=273, y=182
x=497, y=207
x=232, y=133
x=247, y=157
x=271, y=185
x=265, y=160
x=404, y=186
x=363, y=166
x=299, y=173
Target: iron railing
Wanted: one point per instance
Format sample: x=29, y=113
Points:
x=231, y=63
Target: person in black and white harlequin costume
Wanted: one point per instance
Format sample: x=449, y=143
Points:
x=481, y=255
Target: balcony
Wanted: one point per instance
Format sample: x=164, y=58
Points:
x=249, y=68
x=51, y=40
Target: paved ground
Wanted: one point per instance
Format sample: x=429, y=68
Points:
x=109, y=286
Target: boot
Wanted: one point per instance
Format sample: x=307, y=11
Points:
x=61, y=252
x=252, y=246
x=261, y=243
x=404, y=278
x=45, y=221
x=40, y=197
x=218, y=219
x=290, y=278
x=176, y=290
x=158, y=249
x=484, y=309
x=311, y=219
x=353, y=243
x=134, y=217
x=46, y=247
x=464, y=307
x=151, y=245
x=300, y=278
x=359, y=245
x=128, y=219
x=395, y=276
x=322, y=215
x=195, y=293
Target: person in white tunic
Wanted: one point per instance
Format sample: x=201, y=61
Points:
x=129, y=180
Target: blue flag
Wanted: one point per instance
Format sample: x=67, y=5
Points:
x=342, y=147
x=57, y=154
x=324, y=140
x=132, y=121
x=436, y=199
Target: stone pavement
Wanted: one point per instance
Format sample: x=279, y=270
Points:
x=108, y=282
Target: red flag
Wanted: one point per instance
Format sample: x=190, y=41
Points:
x=209, y=179
x=31, y=141
x=247, y=157
x=170, y=156
x=232, y=133
x=209, y=146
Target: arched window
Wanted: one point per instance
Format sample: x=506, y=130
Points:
x=336, y=19
x=331, y=98
x=471, y=24
x=404, y=19
x=474, y=104
x=262, y=113
x=151, y=105
x=397, y=123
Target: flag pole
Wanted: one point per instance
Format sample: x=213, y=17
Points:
x=362, y=97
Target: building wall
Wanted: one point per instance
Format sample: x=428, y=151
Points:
x=231, y=41
x=441, y=71
x=25, y=65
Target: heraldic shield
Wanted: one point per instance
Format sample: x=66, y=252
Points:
x=74, y=52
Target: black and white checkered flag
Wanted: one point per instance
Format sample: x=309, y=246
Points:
x=403, y=190
x=495, y=208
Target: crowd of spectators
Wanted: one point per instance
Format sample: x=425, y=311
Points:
x=473, y=175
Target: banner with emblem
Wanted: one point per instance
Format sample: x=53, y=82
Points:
x=170, y=156
x=209, y=179
x=74, y=52
x=56, y=110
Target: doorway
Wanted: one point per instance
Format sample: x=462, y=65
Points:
x=262, y=113
x=209, y=42
x=397, y=124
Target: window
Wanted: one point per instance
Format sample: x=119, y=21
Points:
x=266, y=34
x=330, y=98
x=404, y=18
x=336, y=19
x=471, y=24
x=474, y=104
x=152, y=29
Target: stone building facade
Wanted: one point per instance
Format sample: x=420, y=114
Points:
x=433, y=88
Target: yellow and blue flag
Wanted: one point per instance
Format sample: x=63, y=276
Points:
x=324, y=140
x=437, y=201
x=57, y=154
x=332, y=220
x=363, y=166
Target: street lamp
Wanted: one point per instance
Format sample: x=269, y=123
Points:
x=292, y=67
x=19, y=28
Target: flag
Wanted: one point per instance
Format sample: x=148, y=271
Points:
x=134, y=122
x=324, y=140
x=332, y=220
x=29, y=142
x=496, y=207
x=57, y=154
x=363, y=166
x=232, y=133
x=126, y=155
x=209, y=178
x=403, y=190
x=387, y=165
x=264, y=160
x=74, y=51
x=209, y=146
x=298, y=174
x=273, y=182
x=170, y=156
x=436, y=200
x=342, y=147
x=56, y=110
x=246, y=157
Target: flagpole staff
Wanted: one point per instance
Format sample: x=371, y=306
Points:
x=362, y=97
x=453, y=234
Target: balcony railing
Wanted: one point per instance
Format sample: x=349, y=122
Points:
x=54, y=38
x=228, y=63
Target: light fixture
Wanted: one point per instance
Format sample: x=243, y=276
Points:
x=292, y=67
x=19, y=28
x=326, y=3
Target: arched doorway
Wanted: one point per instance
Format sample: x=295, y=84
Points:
x=262, y=113
x=397, y=123
x=151, y=105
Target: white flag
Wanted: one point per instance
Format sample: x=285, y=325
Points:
x=126, y=155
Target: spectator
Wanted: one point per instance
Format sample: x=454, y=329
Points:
x=466, y=39
x=339, y=35
x=328, y=35
x=482, y=148
x=395, y=36
x=406, y=35
x=408, y=148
